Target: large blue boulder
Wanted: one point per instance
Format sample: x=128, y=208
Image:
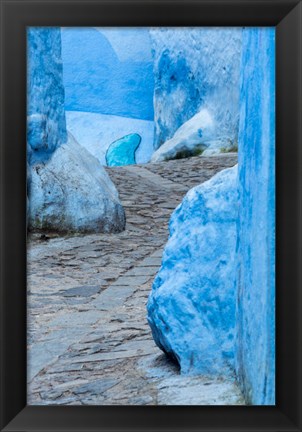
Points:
x=191, y=309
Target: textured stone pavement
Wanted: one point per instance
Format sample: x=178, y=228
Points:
x=89, y=342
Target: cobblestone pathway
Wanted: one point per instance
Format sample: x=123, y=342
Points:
x=89, y=342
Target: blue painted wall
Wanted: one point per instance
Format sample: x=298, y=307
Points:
x=108, y=71
x=46, y=125
x=196, y=68
x=256, y=228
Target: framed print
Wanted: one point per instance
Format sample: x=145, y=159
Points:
x=150, y=226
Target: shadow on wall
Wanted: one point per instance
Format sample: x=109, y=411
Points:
x=109, y=83
x=102, y=77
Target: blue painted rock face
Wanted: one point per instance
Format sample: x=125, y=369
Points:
x=122, y=151
x=191, y=309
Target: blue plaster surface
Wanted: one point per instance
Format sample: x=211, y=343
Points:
x=108, y=71
x=191, y=309
x=122, y=151
x=256, y=229
x=194, y=69
x=46, y=125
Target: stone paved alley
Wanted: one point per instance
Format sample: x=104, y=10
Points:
x=89, y=341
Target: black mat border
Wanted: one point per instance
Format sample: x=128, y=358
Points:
x=15, y=16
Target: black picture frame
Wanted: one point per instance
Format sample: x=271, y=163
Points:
x=16, y=15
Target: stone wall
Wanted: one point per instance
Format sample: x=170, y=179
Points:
x=196, y=68
x=256, y=229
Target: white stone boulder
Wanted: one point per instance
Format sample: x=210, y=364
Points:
x=196, y=136
x=189, y=139
x=71, y=191
x=191, y=308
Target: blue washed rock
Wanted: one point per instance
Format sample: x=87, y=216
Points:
x=256, y=230
x=191, y=309
x=122, y=151
x=68, y=189
x=195, y=69
x=73, y=192
x=46, y=126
